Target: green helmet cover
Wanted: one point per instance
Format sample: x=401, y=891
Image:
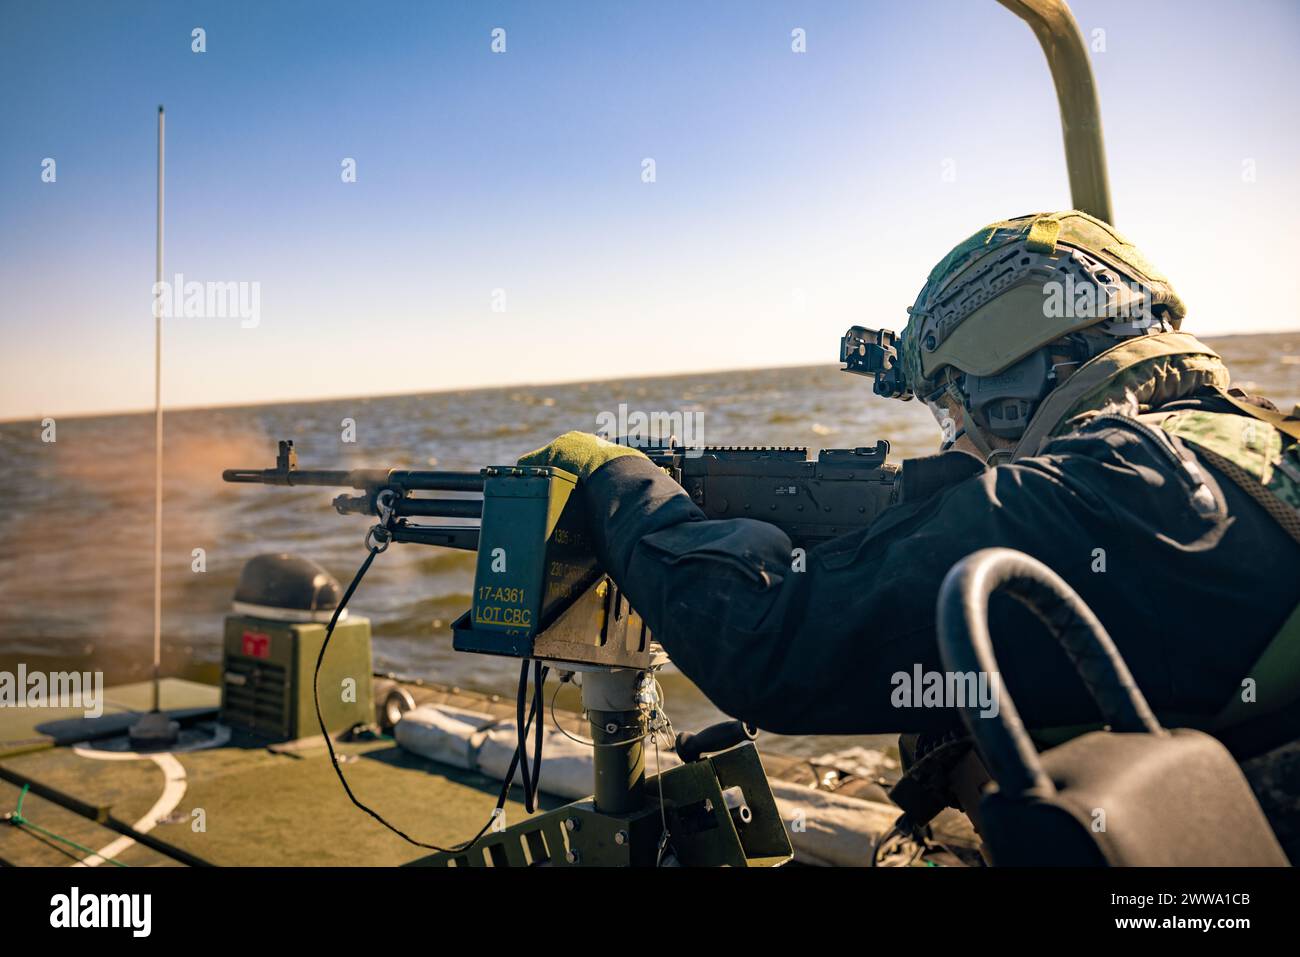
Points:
x=1017, y=285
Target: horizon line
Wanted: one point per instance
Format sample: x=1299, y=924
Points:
x=309, y=400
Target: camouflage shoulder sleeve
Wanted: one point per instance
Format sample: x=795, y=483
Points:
x=1255, y=447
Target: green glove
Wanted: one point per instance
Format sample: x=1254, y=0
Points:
x=578, y=452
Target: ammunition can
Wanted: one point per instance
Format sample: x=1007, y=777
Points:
x=534, y=558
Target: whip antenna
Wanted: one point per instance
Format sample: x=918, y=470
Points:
x=156, y=729
x=158, y=425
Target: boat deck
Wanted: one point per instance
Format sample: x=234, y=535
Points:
x=255, y=805
x=244, y=802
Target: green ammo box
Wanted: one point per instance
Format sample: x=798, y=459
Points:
x=534, y=558
x=282, y=607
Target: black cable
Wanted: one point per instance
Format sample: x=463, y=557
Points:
x=539, y=681
x=521, y=736
x=532, y=771
x=334, y=760
x=535, y=712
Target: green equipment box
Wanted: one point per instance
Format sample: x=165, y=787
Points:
x=534, y=552
x=538, y=590
x=535, y=559
x=266, y=685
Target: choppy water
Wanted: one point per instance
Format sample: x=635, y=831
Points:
x=76, y=526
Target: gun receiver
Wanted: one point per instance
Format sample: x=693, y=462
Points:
x=811, y=500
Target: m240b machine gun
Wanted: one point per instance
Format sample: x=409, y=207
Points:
x=535, y=560
x=540, y=594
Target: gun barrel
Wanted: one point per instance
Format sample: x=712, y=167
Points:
x=424, y=481
x=410, y=480
x=335, y=478
x=372, y=482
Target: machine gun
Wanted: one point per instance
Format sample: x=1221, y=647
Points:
x=811, y=500
x=540, y=594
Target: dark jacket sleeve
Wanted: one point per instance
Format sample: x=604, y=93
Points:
x=817, y=650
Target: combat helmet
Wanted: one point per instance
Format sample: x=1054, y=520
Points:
x=1010, y=307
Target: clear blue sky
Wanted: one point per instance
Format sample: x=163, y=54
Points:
x=796, y=193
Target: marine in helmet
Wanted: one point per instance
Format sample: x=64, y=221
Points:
x=1081, y=426
x=1012, y=312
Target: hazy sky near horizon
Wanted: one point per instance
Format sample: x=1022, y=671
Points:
x=795, y=194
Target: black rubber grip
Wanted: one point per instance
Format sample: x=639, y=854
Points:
x=717, y=737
